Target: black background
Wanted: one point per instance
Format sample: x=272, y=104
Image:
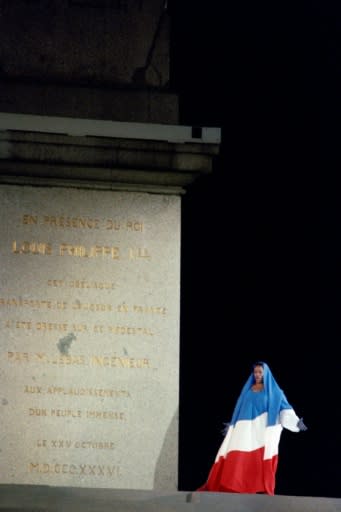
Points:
x=261, y=235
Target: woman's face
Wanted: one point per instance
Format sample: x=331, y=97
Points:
x=258, y=373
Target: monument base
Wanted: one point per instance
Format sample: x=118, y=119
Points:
x=32, y=498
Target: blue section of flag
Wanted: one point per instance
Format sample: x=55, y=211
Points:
x=251, y=404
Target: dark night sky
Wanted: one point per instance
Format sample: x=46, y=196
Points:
x=261, y=235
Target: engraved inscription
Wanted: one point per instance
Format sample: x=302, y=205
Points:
x=68, y=444
x=112, y=361
x=62, y=305
x=119, y=330
x=75, y=469
x=32, y=247
x=84, y=223
x=41, y=248
x=86, y=327
x=77, y=413
x=89, y=252
x=79, y=392
x=81, y=284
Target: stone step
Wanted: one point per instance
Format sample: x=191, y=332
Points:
x=32, y=498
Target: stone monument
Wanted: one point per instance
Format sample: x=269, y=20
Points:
x=89, y=312
x=90, y=300
x=93, y=165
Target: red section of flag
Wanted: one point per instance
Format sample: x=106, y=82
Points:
x=244, y=472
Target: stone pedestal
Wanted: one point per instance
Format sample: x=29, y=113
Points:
x=90, y=299
x=89, y=313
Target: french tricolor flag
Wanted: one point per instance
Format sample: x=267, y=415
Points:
x=247, y=459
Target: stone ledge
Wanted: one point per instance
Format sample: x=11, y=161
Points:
x=106, y=162
x=29, y=498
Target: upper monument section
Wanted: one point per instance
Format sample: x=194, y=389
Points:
x=114, y=42
x=107, y=59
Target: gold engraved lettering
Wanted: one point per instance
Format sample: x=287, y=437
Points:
x=42, y=248
x=99, y=329
x=91, y=284
x=37, y=412
x=136, y=253
x=92, y=252
x=105, y=415
x=81, y=284
x=95, y=445
x=61, y=360
x=61, y=444
x=66, y=413
x=55, y=282
x=130, y=331
x=75, y=469
x=113, y=225
x=71, y=222
x=129, y=225
x=30, y=219
x=55, y=390
x=69, y=360
x=123, y=308
x=18, y=357
x=93, y=392
x=119, y=362
x=156, y=310
x=47, y=326
x=33, y=303
x=33, y=389
x=134, y=226
x=85, y=306
x=111, y=361
x=23, y=325
x=80, y=327
x=74, y=413
x=41, y=356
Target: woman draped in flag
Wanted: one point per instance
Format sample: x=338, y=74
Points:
x=247, y=459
